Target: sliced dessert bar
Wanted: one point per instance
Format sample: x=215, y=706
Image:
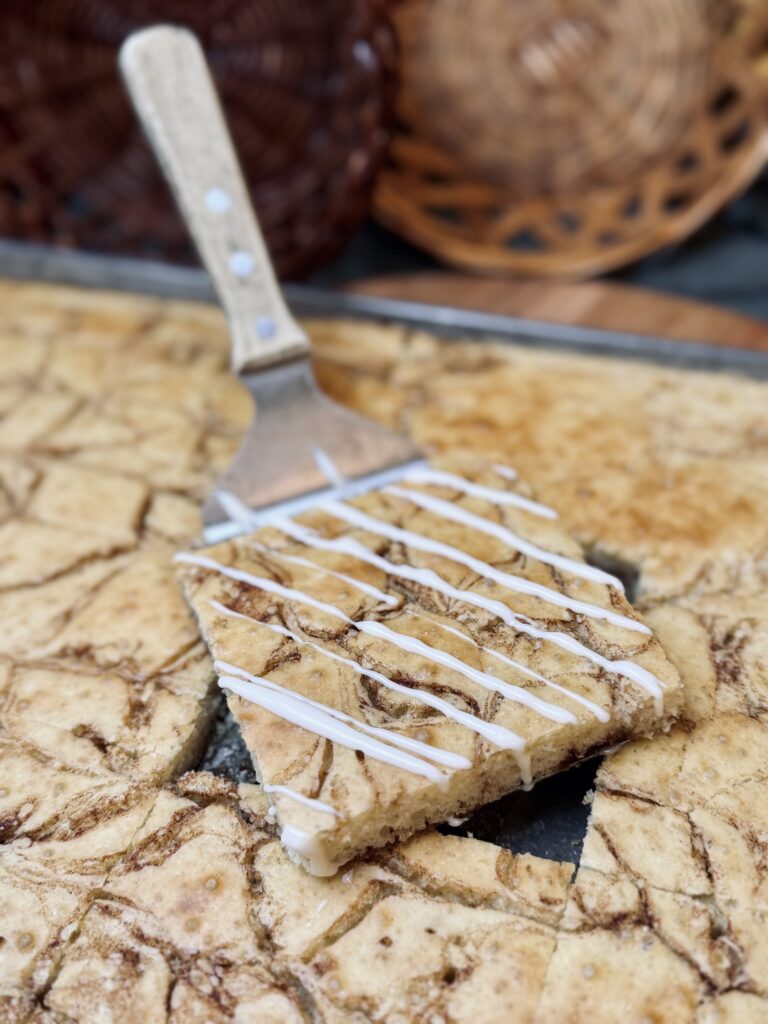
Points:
x=406, y=657
x=206, y=920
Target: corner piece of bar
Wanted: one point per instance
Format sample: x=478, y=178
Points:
x=408, y=656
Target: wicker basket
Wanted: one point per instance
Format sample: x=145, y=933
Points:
x=306, y=87
x=569, y=138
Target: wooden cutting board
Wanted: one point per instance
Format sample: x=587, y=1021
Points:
x=590, y=304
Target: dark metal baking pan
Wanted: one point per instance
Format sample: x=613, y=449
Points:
x=41, y=263
x=550, y=821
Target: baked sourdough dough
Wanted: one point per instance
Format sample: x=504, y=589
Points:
x=208, y=920
x=506, y=686
x=122, y=891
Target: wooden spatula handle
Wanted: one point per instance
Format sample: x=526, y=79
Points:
x=167, y=77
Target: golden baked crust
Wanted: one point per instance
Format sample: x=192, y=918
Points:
x=667, y=472
x=554, y=672
x=663, y=469
x=615, y=957
x=668, y=915
x=48, y=876
x=111, y=430
x=207, y=919
x=667, y=469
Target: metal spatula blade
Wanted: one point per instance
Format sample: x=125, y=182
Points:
x=300, y=443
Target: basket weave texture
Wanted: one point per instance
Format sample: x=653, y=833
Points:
x=306, y=88
x=568, y=138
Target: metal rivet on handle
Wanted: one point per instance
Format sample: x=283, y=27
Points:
x=363, y=53
x=241, y=263
x=266, y=327
x=217, y=200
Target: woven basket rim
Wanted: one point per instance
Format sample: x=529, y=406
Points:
x=402, y=200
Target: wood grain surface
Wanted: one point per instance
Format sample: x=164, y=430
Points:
x=590, y=304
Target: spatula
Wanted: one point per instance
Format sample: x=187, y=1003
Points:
x=300, y=444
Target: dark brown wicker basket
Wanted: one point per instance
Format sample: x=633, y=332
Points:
x=306, y=91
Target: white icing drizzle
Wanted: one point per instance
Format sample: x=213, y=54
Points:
x=320, y=907
x=328, y=467
x=366, y=588
x=492, y=494
x=443, y=757
x=426, y=577
x=497, y=734
x=318, y=719
x=386, y=745
x=260, y=583
x=306, y=846
x=234, y=507
x=307, y=801
x=600, y=713
x=448, y=510
x=518, y=584
x=411, y=645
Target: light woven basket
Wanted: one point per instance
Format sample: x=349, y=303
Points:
x=567, y=139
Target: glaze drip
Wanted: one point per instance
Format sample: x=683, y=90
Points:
x=504, y=471
x=496, y=734
x=600, y=713
x=411, y=645
x=388, y=745
x=319, y=719
x=361, y=585
x=510, y=581
x=492, y=494
x=447, y=510
x=299, y=798
x=427, y=578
